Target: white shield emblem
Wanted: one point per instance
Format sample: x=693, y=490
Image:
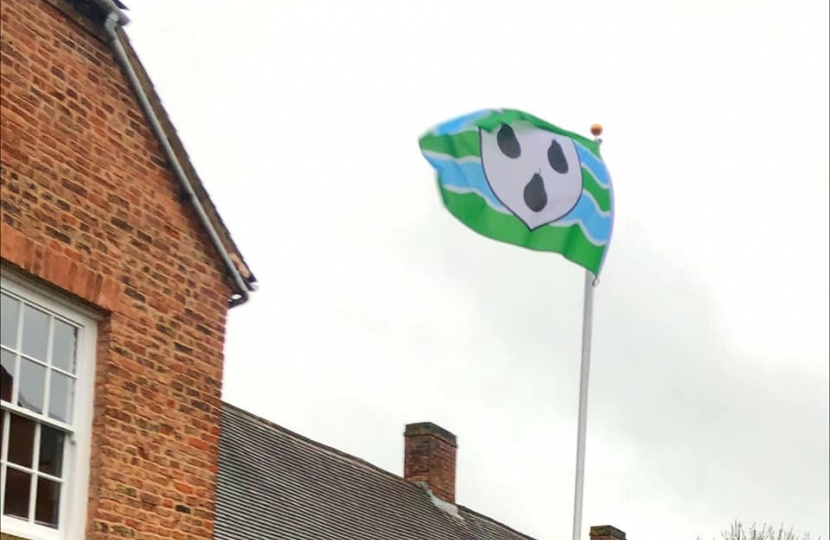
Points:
x=536, y=174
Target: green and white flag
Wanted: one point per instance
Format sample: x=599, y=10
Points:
x=515, y=178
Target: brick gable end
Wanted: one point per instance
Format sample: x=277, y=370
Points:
x=90, y=206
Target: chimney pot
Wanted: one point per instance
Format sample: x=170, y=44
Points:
x=429, y=457
x=606, y=532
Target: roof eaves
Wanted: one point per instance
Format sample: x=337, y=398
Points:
x=186, y=163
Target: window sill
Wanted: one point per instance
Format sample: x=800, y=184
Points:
x=20, y=530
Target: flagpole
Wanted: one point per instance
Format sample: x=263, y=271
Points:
x=584, y=375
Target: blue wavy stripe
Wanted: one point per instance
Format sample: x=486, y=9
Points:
x=593, y=164
x=595, y=225
x=457, y=124
x=465, y=175
x=469, y=176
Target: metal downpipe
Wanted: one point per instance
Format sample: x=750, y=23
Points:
x=115, y=19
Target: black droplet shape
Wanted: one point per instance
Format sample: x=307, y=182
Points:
x=508, y=143
x=536, y=198
x=556, y=157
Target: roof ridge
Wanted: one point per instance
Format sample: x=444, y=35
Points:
x=316, y=444
x=494, y=522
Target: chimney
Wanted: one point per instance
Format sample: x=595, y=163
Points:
x=429, y=457
x=606, y=532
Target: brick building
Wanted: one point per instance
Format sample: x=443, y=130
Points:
x=117, y=276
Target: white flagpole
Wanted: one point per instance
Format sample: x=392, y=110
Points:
x=584, y=374
x=587, y=319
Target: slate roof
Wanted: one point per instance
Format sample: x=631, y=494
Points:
x=276, y=485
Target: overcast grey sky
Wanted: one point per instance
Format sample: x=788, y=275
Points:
x=709, y=389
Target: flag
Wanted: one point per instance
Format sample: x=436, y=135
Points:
x=518, y=179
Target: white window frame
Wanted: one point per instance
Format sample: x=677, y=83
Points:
x=76, y=459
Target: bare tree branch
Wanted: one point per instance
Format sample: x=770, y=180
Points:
x=739, y=531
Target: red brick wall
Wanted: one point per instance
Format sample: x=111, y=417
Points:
x=89, y=205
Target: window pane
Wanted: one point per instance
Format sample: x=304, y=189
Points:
x=60, y=397
x=35, y=333
x=50, y=459
x=18, y=491
x=32, y=379
x=8, y=320
x=21, y=441
x=6, y=375
x=63, y=346
x=48, y=501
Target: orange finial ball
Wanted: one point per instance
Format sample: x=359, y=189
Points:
x=596, y=130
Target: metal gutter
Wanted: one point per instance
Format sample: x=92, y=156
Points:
x=115, y=19
x=111, y=7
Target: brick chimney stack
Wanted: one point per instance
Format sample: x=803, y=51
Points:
x=606, y=532
x=429, y=457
